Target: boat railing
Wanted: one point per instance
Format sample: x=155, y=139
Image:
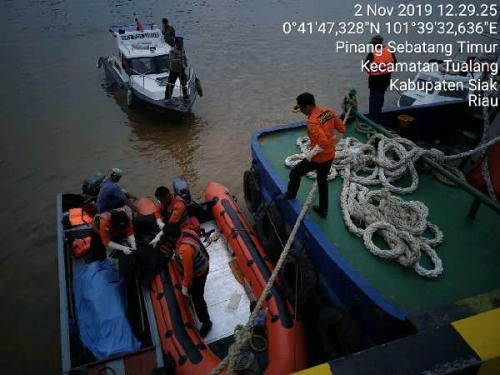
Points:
x=189, y=79
x=483, y=198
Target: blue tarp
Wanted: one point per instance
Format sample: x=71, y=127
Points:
x=101, y=302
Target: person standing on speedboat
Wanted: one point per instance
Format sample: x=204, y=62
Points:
x=380, y=62
x=168, y=32
x=178, y=65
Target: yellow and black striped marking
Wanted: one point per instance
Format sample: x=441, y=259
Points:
x=467, y=346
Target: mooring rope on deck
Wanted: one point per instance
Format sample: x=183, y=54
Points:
x=403, y=225
x=242, y=334
x=383, y=161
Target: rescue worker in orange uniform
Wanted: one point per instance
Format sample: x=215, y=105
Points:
x=193, y=260
x=381, y=63
x=173, y=209
x=110, y=230
x=324, y=130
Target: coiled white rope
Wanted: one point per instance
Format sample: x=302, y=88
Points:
x=383, y=161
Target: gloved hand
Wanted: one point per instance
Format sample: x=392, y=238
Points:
x=312, y=153
x=131, y=241
x=115, y=246
x=155, y=240
x=160, y=223
x=185, y=291
x=127, y=250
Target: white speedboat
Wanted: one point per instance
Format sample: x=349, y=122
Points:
x=141, y=67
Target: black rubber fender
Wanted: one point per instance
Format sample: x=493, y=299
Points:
x=199, y=88
x=298, y=272
x=339, y=334
x=252, y=190
x=271, y=230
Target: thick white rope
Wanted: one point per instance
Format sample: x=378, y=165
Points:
x=242, y=333
x=403, y=225
x=383, y=161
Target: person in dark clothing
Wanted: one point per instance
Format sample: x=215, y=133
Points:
x=168, y=32
x=380, y=67
x=178, y=65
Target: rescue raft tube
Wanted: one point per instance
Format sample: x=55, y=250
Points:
x=178, y=334
x=286, y=337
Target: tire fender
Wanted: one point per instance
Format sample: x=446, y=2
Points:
x=271, y=230
x=252, y=190
x=298, y=277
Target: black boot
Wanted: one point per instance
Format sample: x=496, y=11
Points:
x=205, y=328
x=320, y=211
x=284, y=196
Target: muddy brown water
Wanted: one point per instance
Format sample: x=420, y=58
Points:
x=60, y=120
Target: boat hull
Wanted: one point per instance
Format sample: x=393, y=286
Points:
x=176, y=105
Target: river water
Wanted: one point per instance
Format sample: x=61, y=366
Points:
x=60, y=121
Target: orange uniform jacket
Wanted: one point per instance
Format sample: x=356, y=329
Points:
x=186, y=255
x=177, y=212
x=105, y=230
x=320, y=126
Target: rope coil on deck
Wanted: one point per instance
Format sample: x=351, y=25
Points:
x=402, y=224
x=383, y=161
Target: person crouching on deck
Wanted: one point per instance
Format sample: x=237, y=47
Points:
x=109, y=233
x=193, y=261
x=323, y=127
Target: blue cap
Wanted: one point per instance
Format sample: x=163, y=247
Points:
x=179, y=38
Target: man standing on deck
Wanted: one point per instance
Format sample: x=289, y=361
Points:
x=380, y=66
x=193, y=260
x=168, y=32
x=323, y=128
x=178, y=65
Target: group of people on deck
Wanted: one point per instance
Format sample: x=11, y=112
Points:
x=179, y=237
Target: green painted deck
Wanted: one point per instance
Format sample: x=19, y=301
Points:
x=470, y=252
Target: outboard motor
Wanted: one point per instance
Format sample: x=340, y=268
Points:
x=92, y=184
x=181, y=188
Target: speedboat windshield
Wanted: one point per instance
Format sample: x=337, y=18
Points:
x=150, y=65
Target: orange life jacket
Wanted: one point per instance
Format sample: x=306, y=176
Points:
x=107, y=216
x=184, y=220
x=201, y=258
x=383, y=62
x=79, y=217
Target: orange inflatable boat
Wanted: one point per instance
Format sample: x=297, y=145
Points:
x=285, y=351
x=286, y=338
